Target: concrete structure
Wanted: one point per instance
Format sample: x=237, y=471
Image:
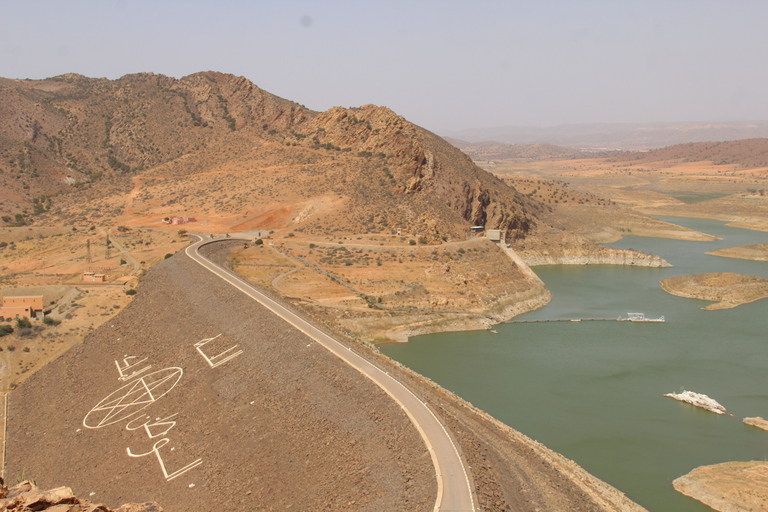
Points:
x=93, y=277
x=17, y=307
x=493, y=235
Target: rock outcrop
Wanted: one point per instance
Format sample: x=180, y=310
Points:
x=551, y=246
x=728, y=487
x=600, y=256
x=756, y=422
x=27, y=497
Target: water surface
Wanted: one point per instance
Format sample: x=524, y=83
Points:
x=593, y=390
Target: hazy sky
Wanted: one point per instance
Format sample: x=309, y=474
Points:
x=441, y=64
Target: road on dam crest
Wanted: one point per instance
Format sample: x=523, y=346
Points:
x=454, y=491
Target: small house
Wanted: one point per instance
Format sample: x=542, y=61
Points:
x=17, y=307
x=93, y=277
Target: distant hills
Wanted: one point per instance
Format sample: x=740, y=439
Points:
x=615, y=136
x=488, y=151
x=748, y=153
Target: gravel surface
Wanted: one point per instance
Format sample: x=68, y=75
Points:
x=284, y=424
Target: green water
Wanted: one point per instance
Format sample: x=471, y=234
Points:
x=593, y=390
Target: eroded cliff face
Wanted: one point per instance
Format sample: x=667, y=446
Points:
x=423, y=166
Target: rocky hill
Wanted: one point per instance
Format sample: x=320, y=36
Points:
x=210, y=145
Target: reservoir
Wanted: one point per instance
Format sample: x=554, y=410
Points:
x=592, y=391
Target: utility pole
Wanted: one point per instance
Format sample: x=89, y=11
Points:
x=88, y=251
x=106, y=252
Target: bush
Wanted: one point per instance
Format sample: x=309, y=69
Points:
x=167, y=256
x=258, y=241
x=10, y=348
x=23, y=323
x=411, y=242
x=50, y=321
x=130, y=292
x=5, y=329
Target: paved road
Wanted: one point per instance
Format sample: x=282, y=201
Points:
x=454, y=493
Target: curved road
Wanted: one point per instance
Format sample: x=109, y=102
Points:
x=454, y=492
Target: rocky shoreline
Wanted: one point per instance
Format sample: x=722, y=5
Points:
x=609, y=256
x=727, y=487
x=725, y=289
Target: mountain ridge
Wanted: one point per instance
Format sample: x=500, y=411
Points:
x=80, y=141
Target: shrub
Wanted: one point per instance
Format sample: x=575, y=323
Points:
x=48, y=320
x=258, y=241
x=10, y=348
x=411, y=242
x=5, y=329
x=26, y=349
x=130, y=291
x=167, y=256
x=23, y=323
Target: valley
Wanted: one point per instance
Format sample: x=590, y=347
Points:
x=369, y=226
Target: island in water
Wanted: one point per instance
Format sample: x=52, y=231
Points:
x=727, y=290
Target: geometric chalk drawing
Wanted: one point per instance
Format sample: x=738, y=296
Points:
x=162, y=424
x=219, y=359
x=129, y=366
x=133, y=398
x=156, y=450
